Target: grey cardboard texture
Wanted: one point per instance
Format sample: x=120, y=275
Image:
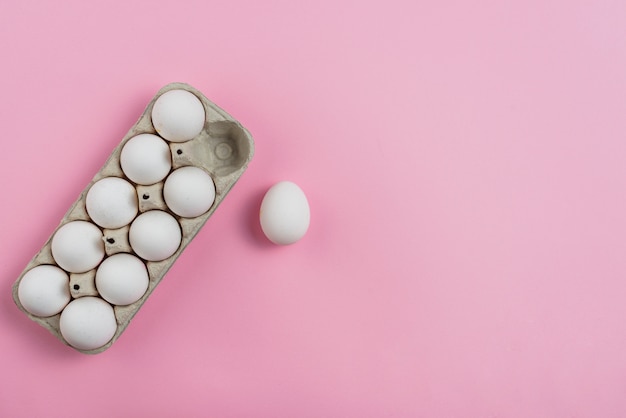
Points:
x=223, y=149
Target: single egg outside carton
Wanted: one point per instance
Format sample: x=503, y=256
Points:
x=285, y=214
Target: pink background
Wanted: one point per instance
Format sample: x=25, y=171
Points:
x=465, y=164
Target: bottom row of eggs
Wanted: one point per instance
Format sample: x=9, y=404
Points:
x=77, y=247
x=88, y=322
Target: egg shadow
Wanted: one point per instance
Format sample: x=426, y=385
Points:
x=35, y=337
x=31, y=337
x=253, y=224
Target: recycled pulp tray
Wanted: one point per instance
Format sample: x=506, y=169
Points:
x=223, y=149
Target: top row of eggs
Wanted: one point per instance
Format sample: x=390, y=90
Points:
x=177, y=116
x=145, y=159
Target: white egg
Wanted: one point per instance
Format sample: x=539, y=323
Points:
x=122, y=279
x=178, y=115
x=146, y=159
x=112, y=202
x=285, y=214
x=88, y=323
x=155, y=235
x=77, y=246
x=44, y=290
x=189, y=191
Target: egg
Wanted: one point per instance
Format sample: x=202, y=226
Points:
x=146, y=159
x=189, y=192
x=155, y=235
x=112, y=202
x=178, y=115
x=44, y=290
x=122, y=279
x=88, y=323
x=285, y=214
x=77, y=246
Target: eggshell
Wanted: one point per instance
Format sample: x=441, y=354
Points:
x=77, y=246
x=285, y=214
x=112, y=202
x=122, y=279
x=88, y=323
x=189, y=191
x=155, y=235
x=44, y=290
x=146, y=159
x=178, y=115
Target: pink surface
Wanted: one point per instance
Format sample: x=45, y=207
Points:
x=465, y=165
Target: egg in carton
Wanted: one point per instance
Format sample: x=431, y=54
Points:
x=132, y=221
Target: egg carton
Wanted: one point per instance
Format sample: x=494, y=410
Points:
x=223, y=149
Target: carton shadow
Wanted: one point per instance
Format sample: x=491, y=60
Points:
x=252, y=223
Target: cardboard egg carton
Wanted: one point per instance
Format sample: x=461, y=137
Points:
x=223, y=149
